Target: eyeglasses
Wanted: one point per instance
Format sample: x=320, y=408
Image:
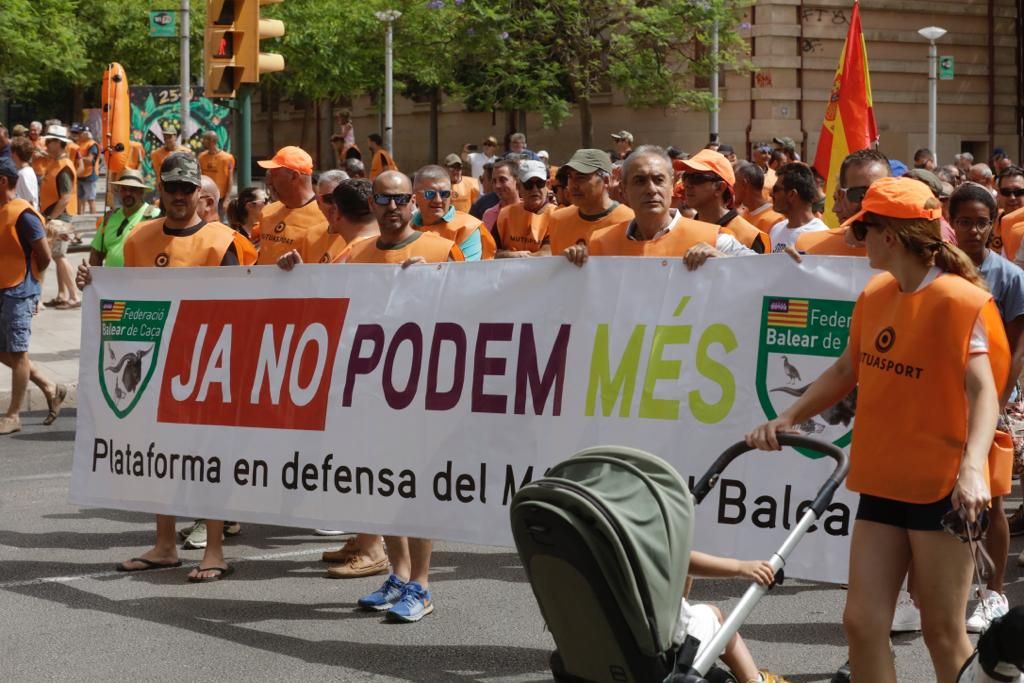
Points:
x=178, y=187
x=965, y=224
x=855, y=194
x=430, y=195
x=699, y=178
x=860, y=229
x=1012, y=191
x=385, y=199
x=535, y=183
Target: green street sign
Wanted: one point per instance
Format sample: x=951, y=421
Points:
x=163, y=24
x=946, y=68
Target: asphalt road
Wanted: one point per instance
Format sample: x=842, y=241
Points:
x=68, y=616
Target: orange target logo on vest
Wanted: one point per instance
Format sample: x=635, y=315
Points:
x=885, y=339
x=161, y=260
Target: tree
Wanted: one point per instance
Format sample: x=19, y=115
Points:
x=554, y=54
x=30, y=31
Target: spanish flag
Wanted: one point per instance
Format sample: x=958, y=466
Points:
x=849, y=123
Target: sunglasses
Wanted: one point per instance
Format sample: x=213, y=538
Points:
x=699, y=178
x=955, y=523
x=385, y=199
x=535, y=183
x=860, y=229
x=1012, y=191
x=178, y=187
x=430, y=195
x=855, y=194
x=965, y=224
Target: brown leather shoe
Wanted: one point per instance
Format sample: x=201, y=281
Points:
x=358, y=565
x=341, y=554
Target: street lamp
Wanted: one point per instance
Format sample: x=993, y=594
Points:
x=388, y=17
x=931, y=34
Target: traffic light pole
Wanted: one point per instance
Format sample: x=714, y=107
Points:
x=186, y=77
x=244, y=136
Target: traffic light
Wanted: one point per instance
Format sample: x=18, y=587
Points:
x=253, y=29
x=232, y=46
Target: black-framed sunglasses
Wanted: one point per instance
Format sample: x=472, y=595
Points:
x=385, y=199
x=535, y=183
x=699, y=178
x=1012, y=191
x=179, y=187
x=860, y=229
x=855, y=194
x=431, y=195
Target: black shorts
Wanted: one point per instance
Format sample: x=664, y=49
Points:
x=914, y=516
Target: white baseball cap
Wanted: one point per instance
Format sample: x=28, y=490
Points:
x=532, y=169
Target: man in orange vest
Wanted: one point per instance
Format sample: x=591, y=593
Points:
x=380, y=158
x=522, y=228
x=405, y=594
x=465, y=190
x=181, y=239
x=709, y=180
x=749, y=190
x=295, y=221
x=436, y=212
x=157, y=156
x=86, y=167
x=24, y=254
x=218, y=165
x=58, y=202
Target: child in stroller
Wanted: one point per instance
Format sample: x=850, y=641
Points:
x=702, y=621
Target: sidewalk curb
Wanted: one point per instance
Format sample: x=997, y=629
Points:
x=36, y=401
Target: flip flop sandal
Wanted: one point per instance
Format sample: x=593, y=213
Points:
x=147, y=565
x=222, y=573
x=54, y=302
x=68, y=306
x=54, y=405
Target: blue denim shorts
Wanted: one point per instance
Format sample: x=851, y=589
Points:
x=16, y=322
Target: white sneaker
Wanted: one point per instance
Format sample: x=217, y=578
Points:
x=907, y=618
x=991, y=606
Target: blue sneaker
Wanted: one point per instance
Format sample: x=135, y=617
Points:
x=385, y=596
x=413, y=605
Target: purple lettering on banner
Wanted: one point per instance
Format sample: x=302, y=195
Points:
x=484, y=365
x=399, y=400
x=528, y=377
x=362, y=365
x=446, y=400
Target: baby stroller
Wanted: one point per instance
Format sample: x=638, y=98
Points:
x=605, y=540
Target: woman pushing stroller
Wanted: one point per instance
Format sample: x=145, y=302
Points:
x=929, y=357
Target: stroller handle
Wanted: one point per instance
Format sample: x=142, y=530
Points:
x=825, y=493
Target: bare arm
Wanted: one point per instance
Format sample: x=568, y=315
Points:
x=702, y=564
x=827, y=390
x=41, y=253
x=971, y=491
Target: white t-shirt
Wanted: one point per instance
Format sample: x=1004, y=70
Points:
x=27, y=187
x=783, y=236
x=477, y=161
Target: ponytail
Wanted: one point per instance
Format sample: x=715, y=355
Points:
x=236, y=218
x=951, y=259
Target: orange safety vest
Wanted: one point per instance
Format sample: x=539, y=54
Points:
x=48, y=195
x=88, y=161
x=148, y=245
x=763, y=220
x=567, y=227
x=614, y=241
x=830, y=242
x=12, y=251
x=135, y=154
x=909, y=353
x=522, y=230
x=458, y=230
x=748, y=235
x=465, y=193
x=283, y=229
x=431, y=246
x=1009, y=234
x=382, y=161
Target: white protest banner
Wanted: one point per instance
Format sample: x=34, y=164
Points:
x=417, y=401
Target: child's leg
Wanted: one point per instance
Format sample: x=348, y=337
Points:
x=736, y=656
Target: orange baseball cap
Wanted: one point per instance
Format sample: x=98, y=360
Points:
x=293, y=158
x=898, y=198
x=708, y=161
